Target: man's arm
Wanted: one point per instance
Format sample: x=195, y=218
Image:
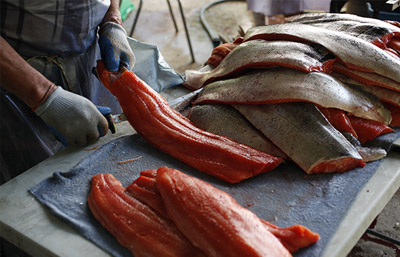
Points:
x=75, y=117
x=113, y=14
x=114, y=46
x=21, y=79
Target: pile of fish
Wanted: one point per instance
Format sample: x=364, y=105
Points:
x=312, y=90
x=169, y=131
x=168, y=213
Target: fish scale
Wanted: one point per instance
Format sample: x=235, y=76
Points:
x=313, y=18
x=264, y=54
x=224, y=120
x=288, y=85
x=356, y=53
x=304, y=134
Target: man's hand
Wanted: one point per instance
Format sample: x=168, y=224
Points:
x=73, y=116
x=114, y=47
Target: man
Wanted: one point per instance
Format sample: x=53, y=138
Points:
x=47, y=52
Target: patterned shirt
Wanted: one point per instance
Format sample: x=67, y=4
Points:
x=51, y=27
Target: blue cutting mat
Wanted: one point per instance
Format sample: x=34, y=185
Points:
x=285, y=196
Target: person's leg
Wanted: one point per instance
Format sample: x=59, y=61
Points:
x=259, y=19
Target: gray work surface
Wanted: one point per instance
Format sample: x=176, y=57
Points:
x=32, y=227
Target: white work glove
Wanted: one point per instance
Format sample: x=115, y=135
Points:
x=114, y=47
x=76, y=118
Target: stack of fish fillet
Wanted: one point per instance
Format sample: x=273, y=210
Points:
x=312, y=90
x=168, y=213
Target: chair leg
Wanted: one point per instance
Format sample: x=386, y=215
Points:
x=136, y=18
x=186, y=30
x=172, y=16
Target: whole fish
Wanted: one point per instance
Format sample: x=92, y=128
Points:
x=134, y=224
x=304, y=134
x=288, y=85
x=264, y=54
x=224, y=120
x=354, y=52
x=212, y=220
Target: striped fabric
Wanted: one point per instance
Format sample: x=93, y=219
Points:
x=51, y=27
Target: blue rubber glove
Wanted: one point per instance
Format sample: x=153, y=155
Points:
x=74, y=117
x=114, y=47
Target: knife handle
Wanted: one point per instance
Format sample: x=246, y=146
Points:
x=106, y=111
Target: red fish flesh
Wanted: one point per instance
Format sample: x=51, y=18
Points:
x=135, y=225
x=354, y=52
x=293, y=237
x=368, y=129
x=394, y=44
x=212, y=220
x=144, y=189
x=288, y=85
x=264, y=54
x=169, y=131
x=338, y=119
x=219, y=52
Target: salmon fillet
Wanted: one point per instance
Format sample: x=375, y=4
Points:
x=135, y=225
x=293, y=238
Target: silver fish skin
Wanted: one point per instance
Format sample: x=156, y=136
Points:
x=366, y=31
x=312, y=18
x=288, y=85
x=303, y=133
x=368, y=153
x=354, y=52
x=383, y=94
x=224, y=120
x=264, y=54
x=367, y=77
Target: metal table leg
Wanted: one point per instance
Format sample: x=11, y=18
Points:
x=186, y=30
x=172, y=15
x=173, y=19
x=136, y=17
